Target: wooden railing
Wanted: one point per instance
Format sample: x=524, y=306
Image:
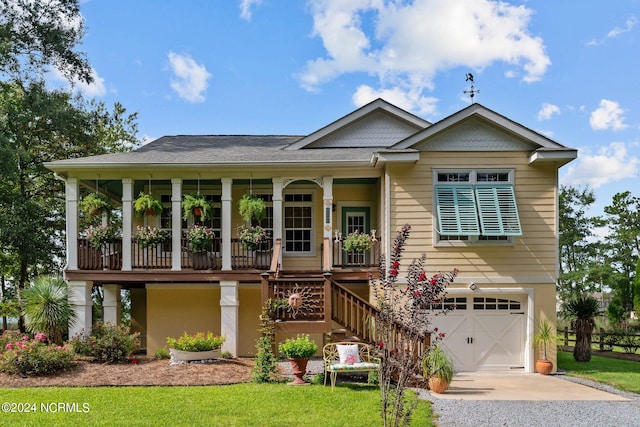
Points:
x=354, y=259
x=108, y=257
x=361, y=318
x=159, y=257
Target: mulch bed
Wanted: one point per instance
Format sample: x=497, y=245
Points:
x=147, y=372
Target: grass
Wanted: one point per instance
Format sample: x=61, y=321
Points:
x=233, y=405
x=621, y=374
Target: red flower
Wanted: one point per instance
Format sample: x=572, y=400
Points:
x=442, y=334
x=381, y=344
x=395, y=264
x=393, y=272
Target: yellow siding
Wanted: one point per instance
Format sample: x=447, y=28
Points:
x=532, y=255
x=173, y=311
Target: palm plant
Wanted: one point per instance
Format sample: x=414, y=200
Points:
x=581, y=311
x=47, y=308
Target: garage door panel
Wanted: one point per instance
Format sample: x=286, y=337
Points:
x=455, y=327
x=488, y=334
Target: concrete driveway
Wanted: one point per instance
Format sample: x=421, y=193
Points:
x=519, y=386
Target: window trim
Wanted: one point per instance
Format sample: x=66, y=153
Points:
x=312, y=230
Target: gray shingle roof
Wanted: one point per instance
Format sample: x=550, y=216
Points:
x=223, y=149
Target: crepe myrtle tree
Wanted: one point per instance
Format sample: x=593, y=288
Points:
x=407, y=309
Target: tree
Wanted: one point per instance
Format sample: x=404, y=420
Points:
x=39, y=125
x=623, y=244
x=581, y=311
x=47, y=308
x=636, y=290
x=36, y=35
x=576, y=251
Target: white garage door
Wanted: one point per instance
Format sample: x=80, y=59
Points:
x=484, y=332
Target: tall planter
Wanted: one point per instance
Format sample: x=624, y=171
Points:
x=299, y=368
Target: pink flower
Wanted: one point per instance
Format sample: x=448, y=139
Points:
x=9, y=346
x=41, y=337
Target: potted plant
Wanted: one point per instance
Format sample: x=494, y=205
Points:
x=199, y=346
x=252, y=208
x=146, y=204
x=298, y=351
x=94, y=204
x=252, y=238
x=150, y=236
x=545, y=336
x=196, y=205
x=437, y=367
x=200, y=238
x=357, y=242
x=100, y=235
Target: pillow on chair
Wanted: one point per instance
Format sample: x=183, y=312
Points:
x=348, y=354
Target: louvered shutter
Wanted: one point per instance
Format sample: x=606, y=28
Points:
x=456, y=208
x=498, y=210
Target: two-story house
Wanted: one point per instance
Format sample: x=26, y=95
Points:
x=479, y=190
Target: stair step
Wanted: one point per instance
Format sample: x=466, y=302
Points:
x=343, y=335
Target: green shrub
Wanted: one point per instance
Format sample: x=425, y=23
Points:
x=34, y=357
x=161, y=353
x=107, y=343
x=301, y=347
x=196, y=342
x=11, y=336
x=265, y=368
x=226, y=355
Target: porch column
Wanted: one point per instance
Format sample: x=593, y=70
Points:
x=71, y=193
x=327, y=187
x=226, y=199
x=176, y=224
x=80, y=300
x=112, y=304
x=229, y=315
x=127, y=222
x=277, y=211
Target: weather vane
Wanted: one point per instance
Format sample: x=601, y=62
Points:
x=473, y=90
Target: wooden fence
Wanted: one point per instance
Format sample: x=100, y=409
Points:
x=604, y=341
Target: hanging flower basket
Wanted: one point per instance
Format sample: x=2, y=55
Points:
x=150, y=236
x=94, y=204
x=252, y=238
x=196, y=205
x=100, y=235
x=146, y=204
x=200, y=238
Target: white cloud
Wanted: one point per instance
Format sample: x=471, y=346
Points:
x=547, y=111
x=405, y=43
x=611, y=163
x=190, y=80
x=245, y=8
x=96, y=88
x=407, y=100
x=631, y=22
x=608, y=116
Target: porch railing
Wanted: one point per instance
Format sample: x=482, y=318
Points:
x=109, y=256
x=355, y=259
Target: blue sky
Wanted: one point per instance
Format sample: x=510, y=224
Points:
x=566, y=70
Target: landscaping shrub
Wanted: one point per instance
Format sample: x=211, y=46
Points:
x=35, y=357
x=161, y=353
x=107, y=343
x=11, y=336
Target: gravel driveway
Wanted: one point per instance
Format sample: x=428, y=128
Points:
x=462, y=413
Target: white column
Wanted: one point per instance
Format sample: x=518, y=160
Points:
x=277, y=211
x=327, y=187
x=71, y=192
x=226, y=222
x=176, y=224
x=229, y=315
x=80, y=300
x=127, y=222
x=112, y=303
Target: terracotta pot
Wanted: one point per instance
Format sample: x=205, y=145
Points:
x=438, y=385
x=151, y=212
x=299, y=367
x=96, y=212
x=197, y=212
x=544, y=367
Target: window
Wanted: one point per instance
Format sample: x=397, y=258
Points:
x=476, y=206
x=298, y=223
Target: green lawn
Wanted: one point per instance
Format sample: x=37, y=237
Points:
x=621, y=374
x=233, y=405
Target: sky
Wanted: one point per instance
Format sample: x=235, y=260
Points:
x=289, y=67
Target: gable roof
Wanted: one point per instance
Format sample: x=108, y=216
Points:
x=410, y=122
x=543, y=148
